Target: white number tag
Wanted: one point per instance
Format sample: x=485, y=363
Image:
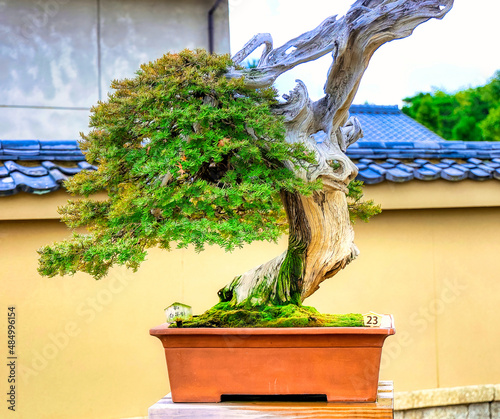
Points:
x=372, y=319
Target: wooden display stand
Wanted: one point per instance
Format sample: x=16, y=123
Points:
x=382, y=408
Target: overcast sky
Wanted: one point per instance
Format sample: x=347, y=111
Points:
x=460, y=51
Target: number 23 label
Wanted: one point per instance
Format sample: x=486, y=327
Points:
x=372, y=319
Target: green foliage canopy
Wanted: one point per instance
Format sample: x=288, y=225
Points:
x=184, y=155
x=468, y=115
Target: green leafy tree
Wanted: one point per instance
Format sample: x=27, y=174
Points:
x=186, y=156
x=490, y=126
x=196, y=150
x=459, y=116
x=428, y=114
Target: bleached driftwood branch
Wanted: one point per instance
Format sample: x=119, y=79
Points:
x=352, y=40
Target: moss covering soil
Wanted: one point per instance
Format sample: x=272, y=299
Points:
x=225, y=315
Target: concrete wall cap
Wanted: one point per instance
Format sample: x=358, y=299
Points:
x=446, y=396
x=497, y=392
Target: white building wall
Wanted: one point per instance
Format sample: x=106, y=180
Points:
x=57, y=57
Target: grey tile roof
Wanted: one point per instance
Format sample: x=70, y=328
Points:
x=404, y=164
x=395, y=149
x=38, y=166
x=389, y=124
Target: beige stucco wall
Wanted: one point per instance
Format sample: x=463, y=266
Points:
x=84, y=349
x=58, y=57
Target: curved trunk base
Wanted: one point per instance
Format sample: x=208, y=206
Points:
x=272, y=283
x=320, y=245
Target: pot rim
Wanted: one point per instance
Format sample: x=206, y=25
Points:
x=164, y=329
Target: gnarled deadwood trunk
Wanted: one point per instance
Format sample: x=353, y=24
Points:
x=320, y=244
x=320, y=236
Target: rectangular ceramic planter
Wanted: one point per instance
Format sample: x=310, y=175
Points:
x=204, y=364
x=342, y=363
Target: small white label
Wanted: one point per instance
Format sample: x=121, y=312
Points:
x=178, y=311
x=372, y=319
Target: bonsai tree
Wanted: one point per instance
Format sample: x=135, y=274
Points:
x=197, y=150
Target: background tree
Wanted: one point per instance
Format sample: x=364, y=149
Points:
x=468, y=115
x=490, y=126
x=196, y=150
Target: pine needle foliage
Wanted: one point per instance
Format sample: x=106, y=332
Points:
x=185, y=156
x=359, y=209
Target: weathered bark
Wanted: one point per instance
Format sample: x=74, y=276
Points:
x=320, y=245
x=321, y=237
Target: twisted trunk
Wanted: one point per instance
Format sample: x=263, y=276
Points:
x=320, y=236
x=320, y=244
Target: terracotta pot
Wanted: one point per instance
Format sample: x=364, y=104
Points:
x=342, y=362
